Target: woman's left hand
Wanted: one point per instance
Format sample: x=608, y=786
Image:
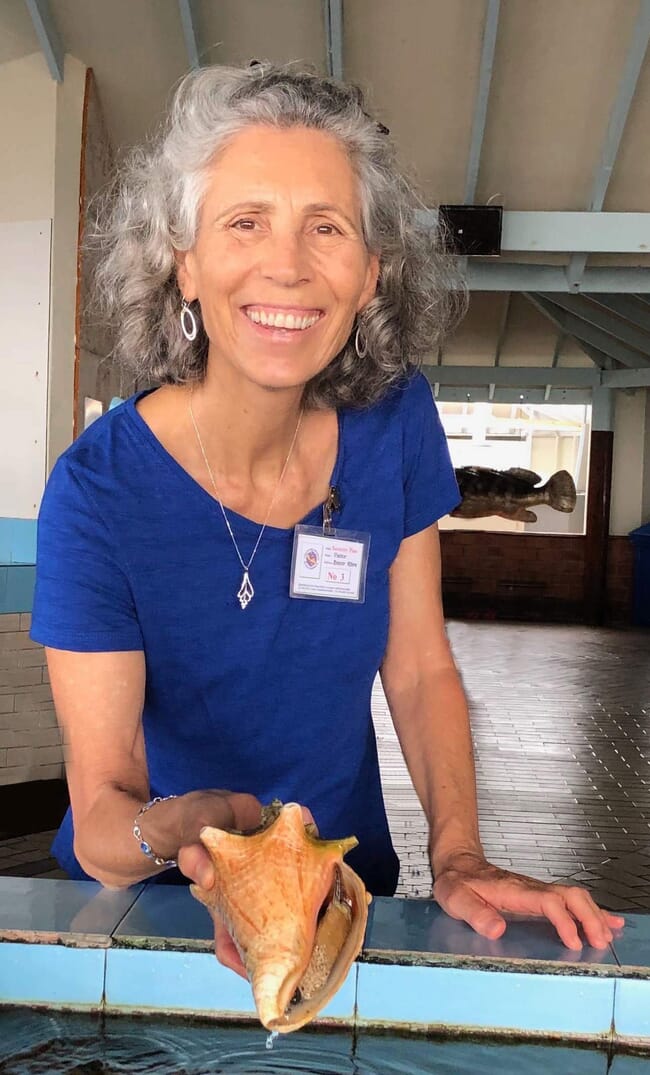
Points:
x=471, y=889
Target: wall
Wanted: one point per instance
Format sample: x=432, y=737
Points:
x=631, y=462
x=27, y=134
x=97, y=376
x=30, y=741
x=40, y=122
x=65, y=234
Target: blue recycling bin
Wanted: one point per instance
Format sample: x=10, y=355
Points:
x=640, y=539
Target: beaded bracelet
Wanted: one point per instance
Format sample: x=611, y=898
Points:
x=137, y=832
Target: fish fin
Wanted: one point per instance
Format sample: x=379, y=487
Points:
x=561, y=491
x=524, y=475
x=522, y=515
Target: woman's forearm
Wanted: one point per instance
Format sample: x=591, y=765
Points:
x=432, y=723
x=106, y=847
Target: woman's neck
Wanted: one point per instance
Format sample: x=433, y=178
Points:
x=245, y=430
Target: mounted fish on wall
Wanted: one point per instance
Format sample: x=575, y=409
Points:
x=511, y=493
x=296, y=912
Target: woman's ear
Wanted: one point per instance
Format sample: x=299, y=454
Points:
x=185, y=274
x=370, y=284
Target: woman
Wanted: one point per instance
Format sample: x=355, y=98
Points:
x=203, y=627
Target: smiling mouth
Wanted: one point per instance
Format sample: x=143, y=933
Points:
x=294, y=320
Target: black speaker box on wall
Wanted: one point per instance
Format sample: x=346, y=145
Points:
x=472, y=229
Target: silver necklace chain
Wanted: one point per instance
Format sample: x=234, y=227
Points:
x=246, y=592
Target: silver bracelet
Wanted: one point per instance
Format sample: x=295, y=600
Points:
x=137, y=832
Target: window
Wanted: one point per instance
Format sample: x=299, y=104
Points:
x=540, y=437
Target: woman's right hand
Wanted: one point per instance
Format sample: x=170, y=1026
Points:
x=220, y=810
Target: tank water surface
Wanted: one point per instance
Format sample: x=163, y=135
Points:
x=35, y=1043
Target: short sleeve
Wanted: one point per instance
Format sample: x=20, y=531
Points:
x=82, y=599
x=430, y=486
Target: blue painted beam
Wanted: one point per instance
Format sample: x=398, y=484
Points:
x=482, y=96
x=48, y=36
x=631, y=307
x=629, y=334
x=333, y=17
x=596, y=343
x=188, y=19
x=502, y=276
x=514, y=376
x=617, y=120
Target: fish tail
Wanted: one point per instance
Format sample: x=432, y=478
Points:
x=561, y=491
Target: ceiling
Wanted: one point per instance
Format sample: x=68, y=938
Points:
x=535, y=106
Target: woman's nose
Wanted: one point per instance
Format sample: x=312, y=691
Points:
x=285, y=259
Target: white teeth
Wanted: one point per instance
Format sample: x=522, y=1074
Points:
x=280, y=320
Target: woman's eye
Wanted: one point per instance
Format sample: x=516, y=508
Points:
x=245, y=224
x=327, y=229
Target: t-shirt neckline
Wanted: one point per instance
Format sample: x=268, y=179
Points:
x=314, y=516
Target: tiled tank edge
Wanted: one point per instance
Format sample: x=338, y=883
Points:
x=419, y=933
x=632, y=1009
x=454, y=999
x=73, y=913
x=53, y=975
x=195, y=983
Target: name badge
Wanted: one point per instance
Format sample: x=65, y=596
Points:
x=329, y=566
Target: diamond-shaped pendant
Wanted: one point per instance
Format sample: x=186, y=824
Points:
x=245, y=592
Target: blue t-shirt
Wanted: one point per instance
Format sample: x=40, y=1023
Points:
x=274, y=700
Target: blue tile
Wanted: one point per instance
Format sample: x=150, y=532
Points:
x=17, y=541
x=145, y=980
x=17, y=593
x=632, y=1008
x=426, y=1057
x=23, y=541
x=447, y=996
x=195, y=982
x=421, y=927
x=51, y=974
x=629, y=1065
x=632, y=945
x=5, y=542
x=51, y=909
x=168, y=912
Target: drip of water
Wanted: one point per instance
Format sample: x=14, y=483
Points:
x=271, y=1038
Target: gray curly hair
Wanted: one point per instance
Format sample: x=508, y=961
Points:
x=152, y=210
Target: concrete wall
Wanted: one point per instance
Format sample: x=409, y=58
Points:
x=40, y=128
x=65, y=235
x=28, y=101
x=631, y=462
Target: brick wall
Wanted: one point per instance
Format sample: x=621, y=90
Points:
x=620, y=581
x=537, y=577
x=30, y=741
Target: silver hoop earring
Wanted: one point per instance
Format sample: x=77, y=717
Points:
x=189, y=323
x=360, y=345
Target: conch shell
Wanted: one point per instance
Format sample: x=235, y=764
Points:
x=296, y=912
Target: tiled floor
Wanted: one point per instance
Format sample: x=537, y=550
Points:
x=561, y=722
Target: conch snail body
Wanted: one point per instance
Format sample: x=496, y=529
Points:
x=296, y=912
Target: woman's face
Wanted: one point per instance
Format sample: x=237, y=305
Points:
x=279, y=267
